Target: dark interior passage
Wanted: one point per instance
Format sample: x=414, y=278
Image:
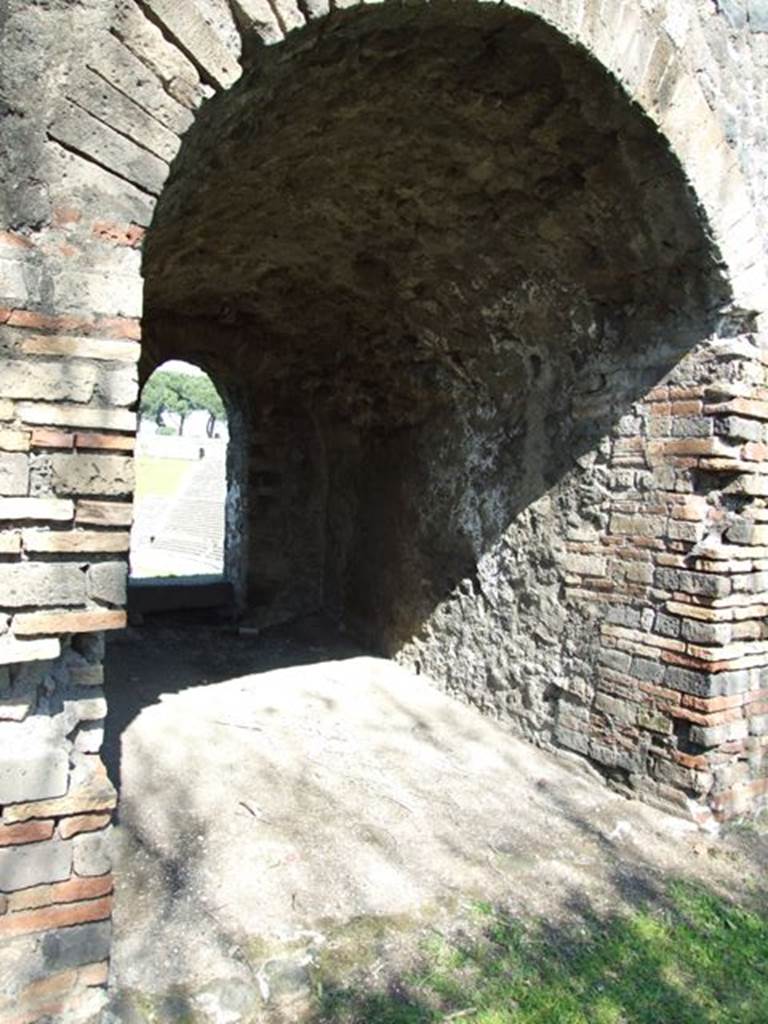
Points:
x=432, y=256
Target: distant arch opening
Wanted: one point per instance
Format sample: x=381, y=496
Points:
x=179, y=527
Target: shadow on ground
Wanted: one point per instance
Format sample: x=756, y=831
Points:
x=183, y=651
x=309, y=834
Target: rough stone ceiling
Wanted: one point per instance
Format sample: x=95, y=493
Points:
x=401, y=175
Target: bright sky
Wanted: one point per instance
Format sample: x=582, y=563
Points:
x=179, y=366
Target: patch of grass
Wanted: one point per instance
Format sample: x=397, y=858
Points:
x=696, y=960
x=160, y=478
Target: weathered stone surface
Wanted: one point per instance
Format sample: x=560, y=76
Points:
x=107, y=582
x=85, y=705
x=13, y=286
x=85, y=658
x=109, y=292
x=88, y=792
x=30, y=959
x=82, y=474
x=103, y=513
x=134, y=77
x=499, y=435
x=14, y=474
x=83, y=944
x=735, y=11
x=91, y=854
x=10, y=542
x=35, y=864
x=67, y=541
x=89, y=738
x=76, y=416
x=713, y=736
x=197, y=38
x=14, y=651
x=147, y=43
x=48, y=585
x=47, y=380
x=117, y=387
x=40, y=509
x=14, y=440
x=79, y=130
x=258, y=16
x=33, y=763
x=108, y=104
x=20, y=700
x=81, y=348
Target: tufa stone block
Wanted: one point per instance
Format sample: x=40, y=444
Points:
x=103, y=513
x=88, y=793
x=81, y=473
x=82, y=348
x=46, y=584
x=34, y=864
x=91, y=854
x=76, y=946
x=14, y=474
x=14, y=440
x=42, y=509
x=107, y=582
x=62, y=542
x=50, y=381
x=12, y=652
x=34, y=764
x=50, y=415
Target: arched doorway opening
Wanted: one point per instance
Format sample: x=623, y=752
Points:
x=443, y=255
x=181, y=480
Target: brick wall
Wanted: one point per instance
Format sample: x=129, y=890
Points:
x=680, y=692
x=56, y=810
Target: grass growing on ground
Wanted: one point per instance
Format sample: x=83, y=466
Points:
x=697, y=960
x=160, y=478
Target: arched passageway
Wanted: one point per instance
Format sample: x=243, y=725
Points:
x=439, y=255
x=487, y=325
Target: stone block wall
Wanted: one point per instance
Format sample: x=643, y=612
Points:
x=65, y=481
x=56, y=806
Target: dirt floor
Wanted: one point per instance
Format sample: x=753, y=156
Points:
x=290, y=805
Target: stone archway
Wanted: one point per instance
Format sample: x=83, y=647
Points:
x=664, y=695
x=464, y=305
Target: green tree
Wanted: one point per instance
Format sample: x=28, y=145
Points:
x=205, y=396
x=180, y=393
